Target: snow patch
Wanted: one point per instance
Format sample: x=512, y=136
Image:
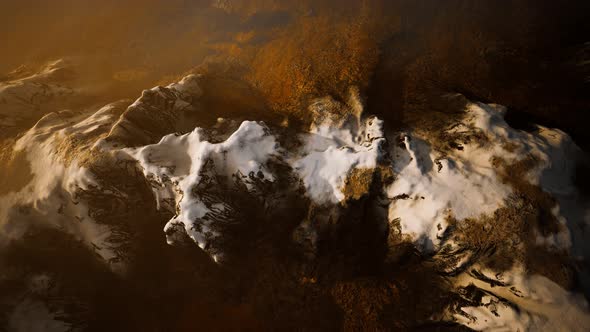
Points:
x=51, y=195
x=463, y=183
x=330, y=153
x=431, y=187
x=536, y=304
x=177, y=164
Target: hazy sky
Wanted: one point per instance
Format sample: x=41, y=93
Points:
x=127, y=32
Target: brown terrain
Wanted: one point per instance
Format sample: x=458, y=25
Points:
x=267, y=60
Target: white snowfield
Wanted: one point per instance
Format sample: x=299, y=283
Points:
x=330, y=154
x=463, y=183
x=177, y=162
x=429, y=187
x=50, y=196
x=323, y=163
x=523, y=303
